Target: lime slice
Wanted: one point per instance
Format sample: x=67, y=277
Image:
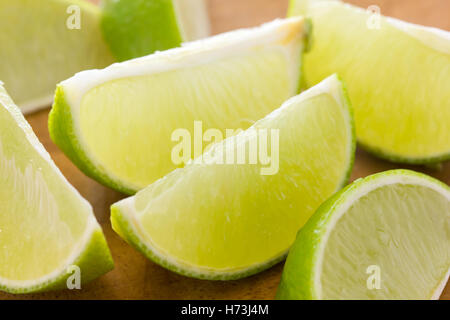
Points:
x=383, y=237
x=46, y=228
x=42, y=45
x=226, y=221
x=140, y=27
x=398, y=76
x=117, y=124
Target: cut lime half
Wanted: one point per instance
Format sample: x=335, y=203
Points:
x=47, y=230
x=140, y=27
x=45, y=42
x=398, y=75
x=222, y=220
x=386, y=236
x=118, y=124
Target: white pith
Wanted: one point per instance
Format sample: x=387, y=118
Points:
x=192, y=19
x=127, y=208
x=270, y=36
x=330, y=85
x=440, y=288
x=434, y=38
x=91, y=223
x=91, y=227
x=200, y=52
x=351, y=196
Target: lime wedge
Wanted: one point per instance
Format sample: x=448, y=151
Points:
x=117, y=124
x=42, y=45
x=398, y=75
x=140, y=27
x=383, y=237
x=47, y=229
x=215, y=219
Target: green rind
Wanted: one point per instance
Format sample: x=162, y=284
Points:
x=297, y=7
x=62, y=132
x=134, y=28
x=307, y=43
x=124, y=228
x=297, y=281
x=402, y=159
x=349, y=110
x=94, y=261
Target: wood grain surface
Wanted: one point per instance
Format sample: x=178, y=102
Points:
x=135, y=277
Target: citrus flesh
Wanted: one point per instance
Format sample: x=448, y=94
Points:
x=42, y=46
x=116, y=124
x=404, y=118
x=393, y=225
x=137, y=28
x=45, y=225
x=226, y=221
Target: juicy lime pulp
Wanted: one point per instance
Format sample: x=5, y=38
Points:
x=405, y=117
x=44, y=42
x=117, y=124
x=393, y=225
x=45, y=225
x=214, y=221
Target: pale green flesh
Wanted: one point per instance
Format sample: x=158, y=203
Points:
x=399, y=85
x=403, y=229
x=126, y=124
x=38, y=50
x=42, y=219
x=227, y=218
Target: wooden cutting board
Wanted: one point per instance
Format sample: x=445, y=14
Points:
x=134, y=277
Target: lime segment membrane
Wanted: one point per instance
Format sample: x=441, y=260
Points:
x=398, y=75
x=45, y=225
x=383, y=237
x=118, y=124
x=222, y=220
